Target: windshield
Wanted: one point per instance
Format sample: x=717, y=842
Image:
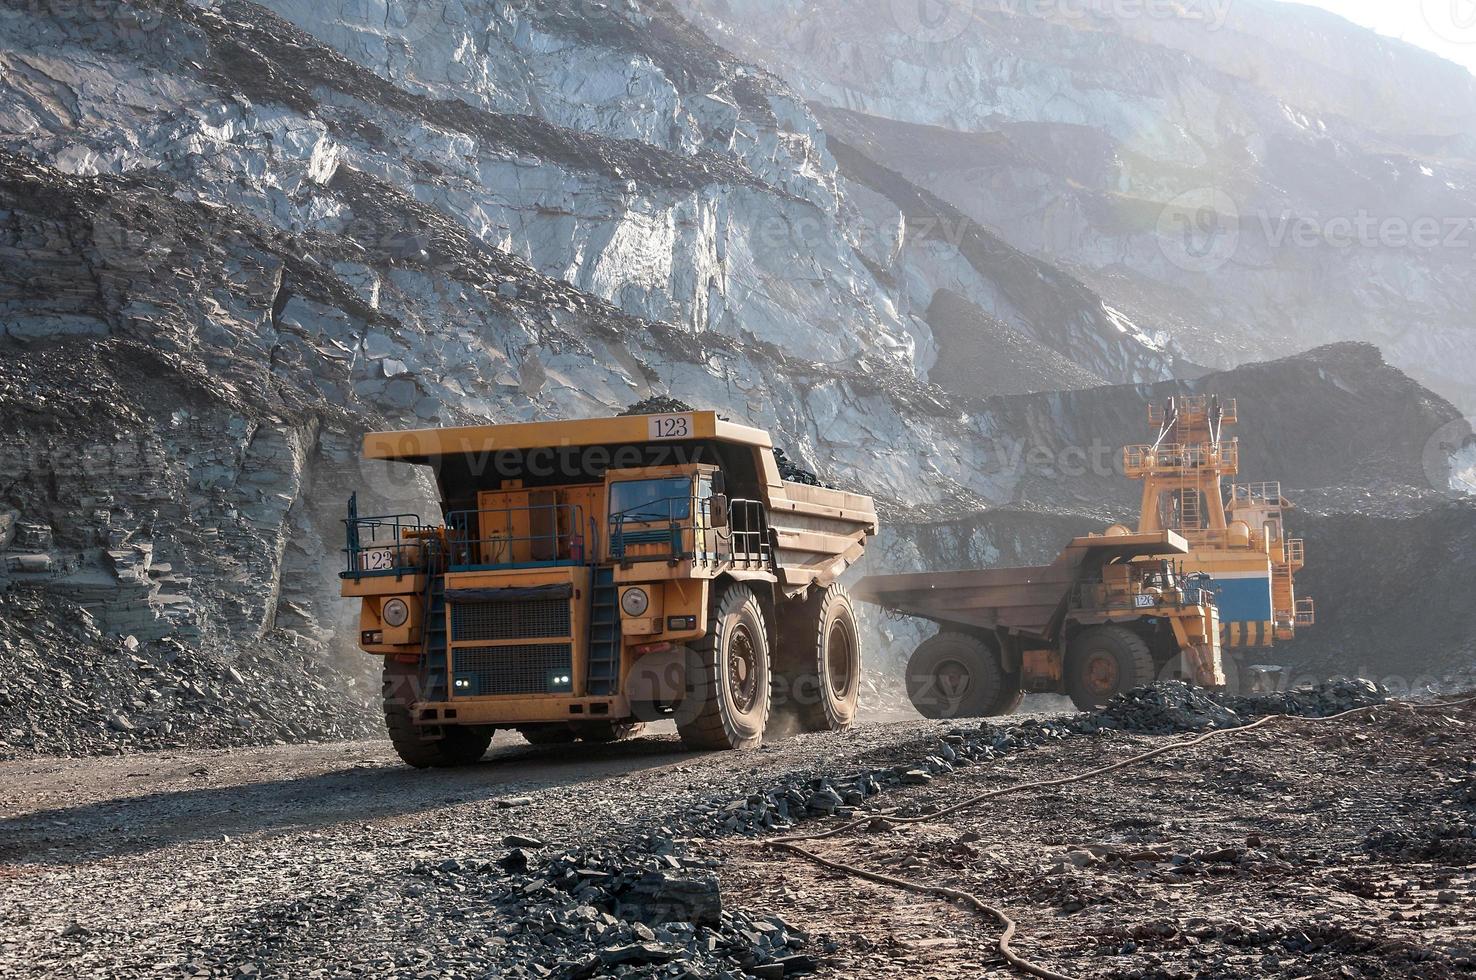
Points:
x=646, y=501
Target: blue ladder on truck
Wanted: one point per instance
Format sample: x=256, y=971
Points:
x=433, y=655
x=604, y=635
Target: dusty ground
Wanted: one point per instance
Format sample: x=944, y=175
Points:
x=271, y=859
x=1309, y=850
x=1339, y=849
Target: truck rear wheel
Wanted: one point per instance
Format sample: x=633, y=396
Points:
x=726, y=703
x=1106, y=661
x=955, y=675
x=819, y=661
x=456, y=746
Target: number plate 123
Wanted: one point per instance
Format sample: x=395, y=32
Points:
x=671, y=427
x=378, y=559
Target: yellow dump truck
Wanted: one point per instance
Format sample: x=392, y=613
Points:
x=588, y=576
x=1112, y=613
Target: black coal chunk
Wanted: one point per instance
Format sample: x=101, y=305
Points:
x=658, y=405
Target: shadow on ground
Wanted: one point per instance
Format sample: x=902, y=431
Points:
x=131, y=824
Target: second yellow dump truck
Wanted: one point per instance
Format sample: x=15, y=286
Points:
x=1112, y=613
x=588, y=576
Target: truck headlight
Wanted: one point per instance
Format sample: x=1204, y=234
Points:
x=635, y=602
x=395, y=613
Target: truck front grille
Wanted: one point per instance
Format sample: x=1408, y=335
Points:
x=527, y=669
x=490, y=621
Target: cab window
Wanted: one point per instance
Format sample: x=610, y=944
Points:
x=648, y=501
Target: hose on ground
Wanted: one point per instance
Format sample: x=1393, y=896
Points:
x=952, y=894
x=791, y=843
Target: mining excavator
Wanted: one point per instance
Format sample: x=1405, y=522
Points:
x=1206, y=569
x=1237, y=535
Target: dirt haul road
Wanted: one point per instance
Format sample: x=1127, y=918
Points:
x=1340, y=849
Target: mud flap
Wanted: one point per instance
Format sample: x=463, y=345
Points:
x=658, y=678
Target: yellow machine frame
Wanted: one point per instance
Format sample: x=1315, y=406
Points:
x=1241, y=540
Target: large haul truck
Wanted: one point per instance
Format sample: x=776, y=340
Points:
x=585, y=577
x=1112, y=613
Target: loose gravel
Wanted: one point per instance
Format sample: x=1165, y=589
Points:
x=592, y=861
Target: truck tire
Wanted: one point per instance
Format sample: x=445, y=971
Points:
x=463, y=745
x=457, y=746
x=1103, y=662
x=726, y=703
x=955, y=675
x=818, y=663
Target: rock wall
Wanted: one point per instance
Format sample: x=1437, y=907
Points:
x=1250, y=178
x=233, y=237
x=1391, y=602
x=239, y=235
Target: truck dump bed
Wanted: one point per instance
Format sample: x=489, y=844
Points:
x=1028, y=601
x=819, y=532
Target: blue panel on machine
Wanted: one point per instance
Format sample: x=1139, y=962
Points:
x=1244, y=600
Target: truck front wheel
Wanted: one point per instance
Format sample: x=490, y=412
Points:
x=955, y=675
x=726, y=703
x=819, y=661
x=456, y=746
x=1106, y=661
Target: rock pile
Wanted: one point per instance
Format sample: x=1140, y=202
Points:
x=794, y=473
x=60, y=696
x=658, y=405
x=645, y=908
x=1163, y=709
x=1173, y=707
x=1319, y=701
x=1167, y=708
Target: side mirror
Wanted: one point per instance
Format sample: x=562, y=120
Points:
x=717, y=510
x=719, y=483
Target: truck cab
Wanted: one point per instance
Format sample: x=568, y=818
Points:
x=1150, y=606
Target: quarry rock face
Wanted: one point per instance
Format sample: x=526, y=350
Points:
x=1248, y=178
x=222, y=275
x=234, y=237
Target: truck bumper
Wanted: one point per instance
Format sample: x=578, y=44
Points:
x=510, y=712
